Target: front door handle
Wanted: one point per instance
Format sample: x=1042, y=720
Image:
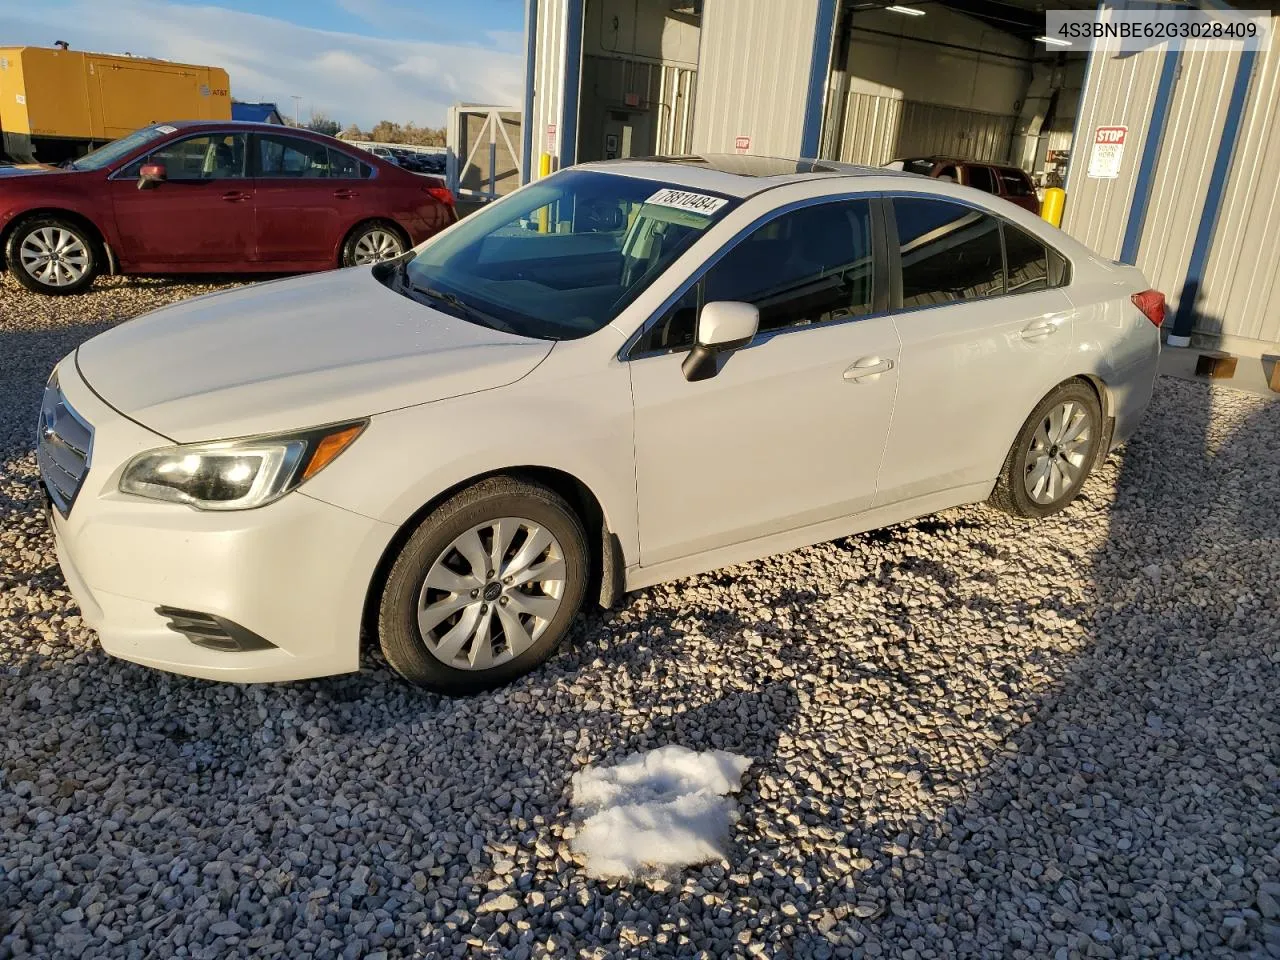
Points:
x=235, y=196
x=868, y=368
x=345, y=194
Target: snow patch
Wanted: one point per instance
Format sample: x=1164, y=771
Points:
x=656, y=812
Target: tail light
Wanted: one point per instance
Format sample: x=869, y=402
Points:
x=443, y=194
x=1151, y=303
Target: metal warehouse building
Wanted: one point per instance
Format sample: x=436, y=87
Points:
x=1192, y=193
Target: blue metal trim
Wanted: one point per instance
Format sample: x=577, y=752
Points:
x=819, y=69
x=530, y=72
x=572, y=82
x=1150, y=154
x=1185, y=318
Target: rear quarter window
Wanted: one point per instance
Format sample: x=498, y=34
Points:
x=1015, y=183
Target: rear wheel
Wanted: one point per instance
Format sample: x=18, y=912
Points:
x=373, y=243
x=53, y=255
x=1053, y=454
x=485, y=588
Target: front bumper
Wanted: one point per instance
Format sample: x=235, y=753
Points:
x=295, y=573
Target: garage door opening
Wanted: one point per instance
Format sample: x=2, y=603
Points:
x=964, y=79
x=639, y=70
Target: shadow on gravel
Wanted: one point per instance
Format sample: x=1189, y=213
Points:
x=1135, y=812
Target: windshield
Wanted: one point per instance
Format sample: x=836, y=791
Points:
x=562, y=258
x=108, y=154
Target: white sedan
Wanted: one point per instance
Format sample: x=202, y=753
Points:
x=622, y=374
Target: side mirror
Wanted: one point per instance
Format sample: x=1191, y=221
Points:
x=151, y=175
x=723, y=326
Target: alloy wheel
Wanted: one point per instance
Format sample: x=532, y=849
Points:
x=375, y=246
x=1056, y=460
x=491, y=593
x=54, y=256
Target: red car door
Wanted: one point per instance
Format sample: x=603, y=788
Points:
x=202, y=215
x=301, y=209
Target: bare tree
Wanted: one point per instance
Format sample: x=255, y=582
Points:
x=320, y=123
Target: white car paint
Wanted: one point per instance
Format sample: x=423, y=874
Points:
x=790, y=444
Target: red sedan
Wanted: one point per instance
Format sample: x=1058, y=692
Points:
x=212, y=197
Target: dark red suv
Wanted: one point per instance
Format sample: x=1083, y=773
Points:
x=1001, y=179
x=212, y=197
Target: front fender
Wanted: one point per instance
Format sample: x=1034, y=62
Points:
x=578, y=424
x=53, y=204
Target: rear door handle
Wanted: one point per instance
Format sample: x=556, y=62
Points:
x=235, y=196
x=1044, y=326
x=868, y=368
x=345, y=194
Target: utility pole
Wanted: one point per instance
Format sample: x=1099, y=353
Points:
x=296, y=102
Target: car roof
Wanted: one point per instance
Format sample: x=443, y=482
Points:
x=737, y=175
x=247, y=125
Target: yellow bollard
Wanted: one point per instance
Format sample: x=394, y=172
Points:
x=1055, y=199
x=544, y=169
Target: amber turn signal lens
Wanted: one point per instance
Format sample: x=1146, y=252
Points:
x=327, y=450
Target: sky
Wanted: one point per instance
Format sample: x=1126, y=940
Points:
x=357, y=61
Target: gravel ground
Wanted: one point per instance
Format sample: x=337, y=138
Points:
x=971, y=737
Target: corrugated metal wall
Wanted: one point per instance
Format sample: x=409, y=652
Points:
x=549, y=77
x=878, y=129
x=675, y=111
x=1119, y=91
x=870, y=129
x=1235, y=295
x=1184, y=170
x=930, y=128
x=753, y=74
x=1242, y=281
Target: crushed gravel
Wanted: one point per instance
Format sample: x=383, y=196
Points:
x=971, y=737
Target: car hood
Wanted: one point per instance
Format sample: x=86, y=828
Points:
x=292, y=354
x=28, y=169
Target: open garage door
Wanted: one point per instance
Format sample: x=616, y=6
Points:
x=964, y=79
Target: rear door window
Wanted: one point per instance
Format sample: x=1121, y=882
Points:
x=280, y=157
x=949, y=253
x=981, y=178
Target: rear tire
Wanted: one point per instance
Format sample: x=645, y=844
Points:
x=373, y=242
x=485, y=588
x=53, y=255
x=1053, y=455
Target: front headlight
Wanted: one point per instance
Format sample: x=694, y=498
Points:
x=236, y=474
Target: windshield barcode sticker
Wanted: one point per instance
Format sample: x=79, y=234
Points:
x=690, y=202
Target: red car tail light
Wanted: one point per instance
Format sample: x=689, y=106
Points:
x=442, y=194
x=1151, y=303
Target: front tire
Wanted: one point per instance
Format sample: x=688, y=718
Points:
x=53, y=255
x=485, y=588
x=1053, y=455
x=373, y=242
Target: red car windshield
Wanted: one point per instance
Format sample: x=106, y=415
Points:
x=108, y=154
